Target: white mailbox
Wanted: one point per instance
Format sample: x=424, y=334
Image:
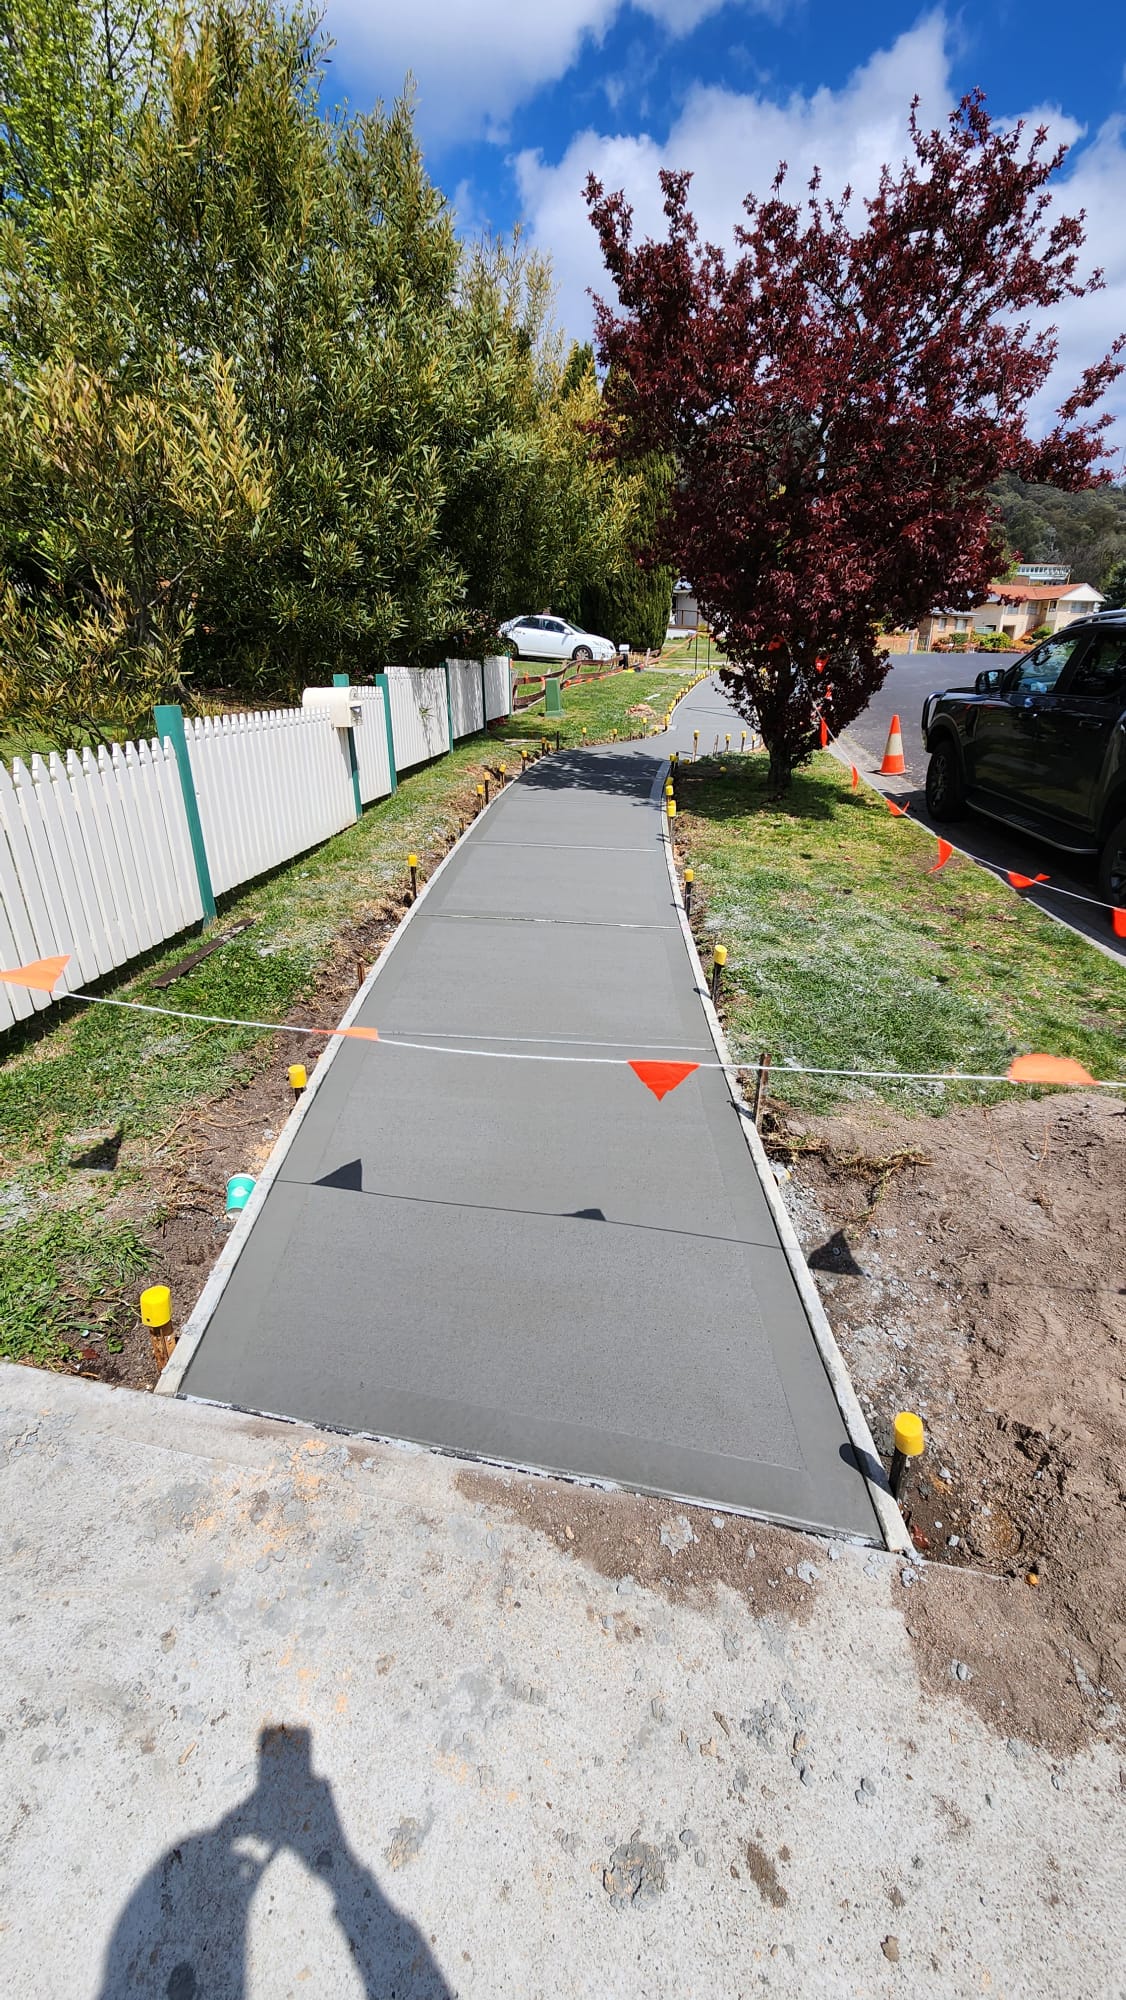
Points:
x=341, y=705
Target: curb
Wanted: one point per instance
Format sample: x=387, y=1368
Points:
x=176, y=1367
x=890, y=1520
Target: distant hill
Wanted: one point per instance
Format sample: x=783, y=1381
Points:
x=1086, y=530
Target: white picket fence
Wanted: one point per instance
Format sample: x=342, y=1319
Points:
x=269, y=785
x=95, y=850
x=95, y=861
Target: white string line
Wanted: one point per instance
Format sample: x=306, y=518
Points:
x=603, y=1062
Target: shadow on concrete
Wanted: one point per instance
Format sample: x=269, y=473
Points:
x=597, y=770
x=183, y=1933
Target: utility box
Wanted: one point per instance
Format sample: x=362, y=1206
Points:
x=553, y=695
x=338, y=703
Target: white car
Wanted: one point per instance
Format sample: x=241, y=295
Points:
x=550, y=638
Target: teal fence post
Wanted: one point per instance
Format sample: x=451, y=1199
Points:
x=449, y=704
x=342, y=681
x=382, y=682
x=169, y=720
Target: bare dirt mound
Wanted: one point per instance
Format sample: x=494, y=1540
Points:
x=972, y=1269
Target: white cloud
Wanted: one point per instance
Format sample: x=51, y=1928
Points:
x=476, y=61
x=734, y=141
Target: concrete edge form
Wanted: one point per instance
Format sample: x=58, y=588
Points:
x=891, y=1522
x=196, y=1324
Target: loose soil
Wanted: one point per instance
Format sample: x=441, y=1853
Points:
x=681, y=1552
x=971, y=1267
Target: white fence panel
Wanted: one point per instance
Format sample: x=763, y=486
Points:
x=419, y=724
x=269, y=786
x=371, y=745
x=95, y=862
x=467, y=705
x=498, y=686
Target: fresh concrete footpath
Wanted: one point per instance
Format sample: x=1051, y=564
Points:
x=290, y=1716
x=536, y=1262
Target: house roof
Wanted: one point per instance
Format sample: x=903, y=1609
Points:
x=1012, y=592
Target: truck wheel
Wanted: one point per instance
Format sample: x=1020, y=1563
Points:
x=946, y=791
x=1112, y=867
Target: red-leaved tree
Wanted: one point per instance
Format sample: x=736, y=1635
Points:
x=838, y=398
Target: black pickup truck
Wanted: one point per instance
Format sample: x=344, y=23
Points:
x=1041, y=745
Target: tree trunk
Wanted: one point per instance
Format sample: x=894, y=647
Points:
x=781, y=770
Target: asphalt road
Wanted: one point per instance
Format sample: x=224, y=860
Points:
x=911, y=679
x=539, y=1262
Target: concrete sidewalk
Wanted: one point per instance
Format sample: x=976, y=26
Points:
x=536, y=1262
x=286, y=1716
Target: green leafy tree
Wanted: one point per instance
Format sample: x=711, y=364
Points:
x=1114, y=586
x=265, y=416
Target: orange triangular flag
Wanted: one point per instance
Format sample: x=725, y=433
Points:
x=1048, y=1069
x=357, y=1034
x=899, y=812
x=944, y=852
x=824, y=734
x=1024, y=881
x=42, y=975
x=661, y=1077
x=1118, y=922
x=855, y=776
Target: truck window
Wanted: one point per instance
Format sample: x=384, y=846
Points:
x=1102, y=671
x=1042, y=669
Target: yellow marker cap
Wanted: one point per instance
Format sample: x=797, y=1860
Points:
x=668, y=788
x=909, y=1436
x=695, y=736
x=480, y=791
x=412, y=861
x=719, y=955
x=156, y=1306
x=689, y=875
x=503, y=770
x=297, y=1076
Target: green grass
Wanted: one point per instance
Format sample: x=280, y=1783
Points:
x=600, y=707
x=844, y=951
x=62, y=1278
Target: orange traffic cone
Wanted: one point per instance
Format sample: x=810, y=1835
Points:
x=893, y=765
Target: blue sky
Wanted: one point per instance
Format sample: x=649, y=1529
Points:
x=518, y=99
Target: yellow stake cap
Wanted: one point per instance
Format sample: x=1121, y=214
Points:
x=719, y=955
x=412, y=861
x=156, y=1306
x=480, y=791
x=668, y=788
x=297, y=1076
x=690, y=875
x=909, y=1437
x=695, y=736
x=671, y=808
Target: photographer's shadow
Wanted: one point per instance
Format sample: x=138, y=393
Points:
x=182, y=1935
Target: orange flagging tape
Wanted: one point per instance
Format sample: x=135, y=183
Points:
x=1048, y=1069
x=944, y=853
x=1023, y=881
x=897, y=812
x=824, y=734
x=661, y=1077
x=42, y=975
x=357, y=1034
x=1118, y=920
x=855, y=776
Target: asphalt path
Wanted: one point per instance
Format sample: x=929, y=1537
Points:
x=911, y=680
x=539, y=1262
